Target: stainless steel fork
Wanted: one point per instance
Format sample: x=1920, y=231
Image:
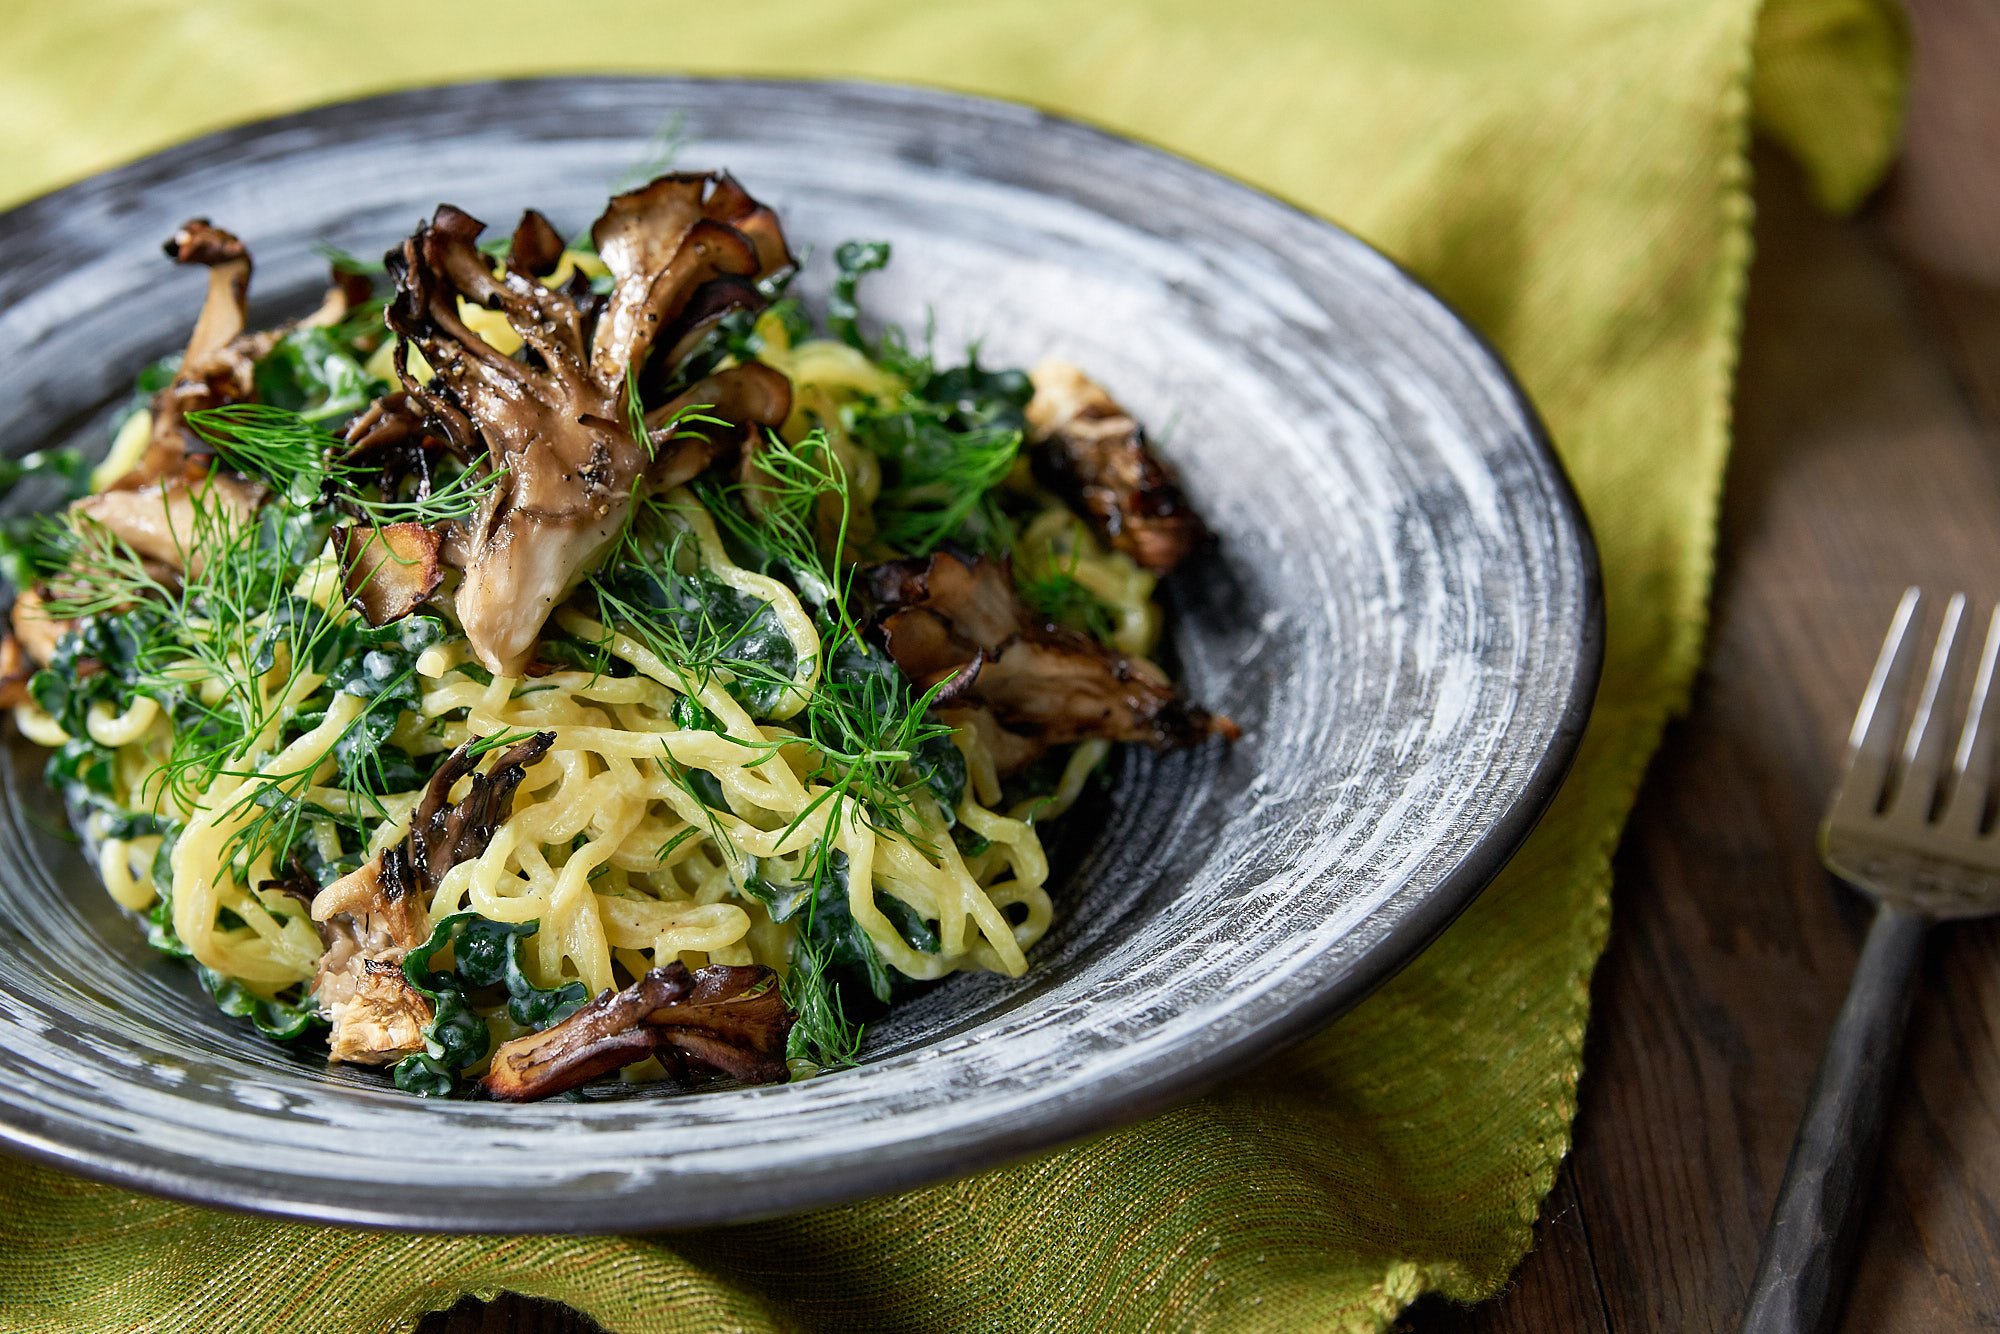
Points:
x=1913, y=832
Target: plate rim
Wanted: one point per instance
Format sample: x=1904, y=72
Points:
x=1161, y=1083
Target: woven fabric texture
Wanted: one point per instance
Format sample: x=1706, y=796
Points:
x=1571, y=174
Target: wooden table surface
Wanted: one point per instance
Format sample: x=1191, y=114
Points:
x=1867, y=458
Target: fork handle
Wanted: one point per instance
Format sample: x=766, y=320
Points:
x=1801, y=1277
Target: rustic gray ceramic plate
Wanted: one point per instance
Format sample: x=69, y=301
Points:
x=1403, y=614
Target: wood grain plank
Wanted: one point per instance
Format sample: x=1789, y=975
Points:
x=1558, y=1292
x=1859, y=469
x=1867, y=457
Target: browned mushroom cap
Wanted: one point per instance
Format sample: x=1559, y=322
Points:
x=161, y=521
x=1089, y=450
x=16, y=668
x=389, y=570
x=556, y=421
x=608, y=1034
x=751, y=397
x=537, y=247
x=376, y=914
x=683, y=251
x=560, y=433
x=212, y=370
x=729, y=202
x=734, y=1020
x=957, y=622
x=391, y=441
x=228, y=263
x=218, y=366
x=35, y=629
x=379, y=1018
x=443, y=832
x=380, y=900
x=636, y=321
x=730, y=1018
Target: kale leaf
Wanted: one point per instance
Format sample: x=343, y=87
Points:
x=309, y=372
x=853, y=259
x=485, y=954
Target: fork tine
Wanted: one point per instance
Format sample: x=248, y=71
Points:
x=1972, y=766
x=1924, y=747
x=1873, y=737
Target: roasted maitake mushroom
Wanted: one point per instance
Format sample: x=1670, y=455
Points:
x=219, y=363
x=373, y=916
x=682, y=251
x=389, y=570
x=958, y=621
x=731, y=1019
x=1089, y=450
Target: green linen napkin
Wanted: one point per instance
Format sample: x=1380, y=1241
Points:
x=1571, y=174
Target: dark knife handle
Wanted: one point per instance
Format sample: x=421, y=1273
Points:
x=1802, y=1276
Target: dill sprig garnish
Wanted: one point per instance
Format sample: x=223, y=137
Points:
x=937, y=491
x=791, y=515
x=231, y=651
x=859, y=725
x=303, y=462
x=821, y=1031
x=947, y=441
x=1050, y=587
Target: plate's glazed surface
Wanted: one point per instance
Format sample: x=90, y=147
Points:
x=1403, y=615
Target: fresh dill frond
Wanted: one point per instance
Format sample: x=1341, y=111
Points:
x=497, y=741
x=234, y=657
x=275, y=444
x=821, y=1031
x=1052, y=590
x=653, y=588
x=936, y=494
x=635, y=412
x=792, y=514
x=302, y=461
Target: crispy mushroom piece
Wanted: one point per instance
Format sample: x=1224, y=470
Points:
x=16, y=668
x=381, y=1019
x=684, y=249
x=394, y=435
x=731, y=1019
x=556, y=421
x=570, y=459
x=537, y=246
x=392, y=440
x=218, y=366
x=444, y=832
x=750, y=396
x=1089, y=450
x=161, y=521
x=950, y=620
x=36, y=631
x=735, y=1020
x=371, y=917
x=389, y=570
